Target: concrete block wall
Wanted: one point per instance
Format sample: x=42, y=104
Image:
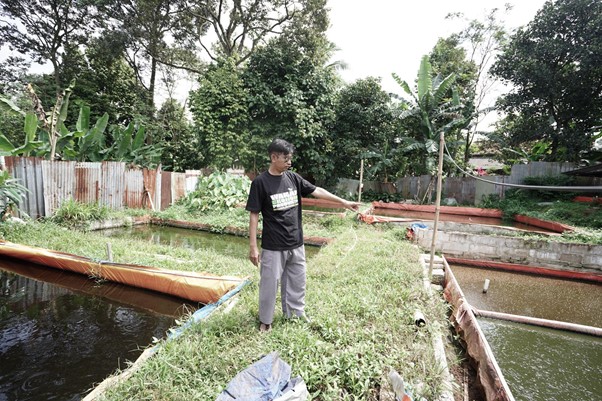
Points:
x=564, y=256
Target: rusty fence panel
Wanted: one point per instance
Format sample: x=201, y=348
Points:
x=166, y=177
x=112, y=184
x=87, y=182
x=152, y=184
x=134, y=189
x=28, y=170
x=58, y=182
x=178, y=186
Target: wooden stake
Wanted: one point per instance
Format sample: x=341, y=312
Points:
x=109, y=252
x=437, y=202
x=359, y=197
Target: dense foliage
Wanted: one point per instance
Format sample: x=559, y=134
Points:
x=365, y=125
x=218, y=191
x=268, y=73
x=11, y=194
x=291, y=96
x=555, y=67
x=220, y=114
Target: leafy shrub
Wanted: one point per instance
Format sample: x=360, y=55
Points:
x=370, y=195
x=550, y=180
x=74, y=214
x=520, y=201
x=218, y=191
x=11, y=193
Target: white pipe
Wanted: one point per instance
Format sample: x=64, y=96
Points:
x=419, y=319
x=486, y=286
x=554, y=324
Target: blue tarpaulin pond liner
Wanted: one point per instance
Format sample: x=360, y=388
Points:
x=268, y=379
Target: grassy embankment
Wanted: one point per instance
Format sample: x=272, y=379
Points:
x=362, y=293
x=586, y=218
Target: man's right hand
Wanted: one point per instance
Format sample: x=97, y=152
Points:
x=254, y=256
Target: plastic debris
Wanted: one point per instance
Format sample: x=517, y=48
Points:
x=268, y=379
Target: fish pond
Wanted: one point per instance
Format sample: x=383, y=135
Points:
x=224, y=244
x=61, y=333
x=540, y=364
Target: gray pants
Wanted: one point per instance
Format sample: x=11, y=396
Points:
x=288, y=267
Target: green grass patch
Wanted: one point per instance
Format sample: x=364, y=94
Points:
x=362, y=292
x=531, y=203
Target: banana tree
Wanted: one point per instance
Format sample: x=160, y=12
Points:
x=430, y=111
x=30, y=146
x=11, y=193
x=129, y=146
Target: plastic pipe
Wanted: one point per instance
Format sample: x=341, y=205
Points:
x=419, y=319
x=554, y=324
x=486, y=286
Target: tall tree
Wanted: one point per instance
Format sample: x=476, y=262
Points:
x=555, y=67
x=364, y=123
x=236, y=28
x=104, y=81
x=153, y=32
x=482, y=40
x=41, y=29
x=181, y=149
x=220, y=113
x=292, y=96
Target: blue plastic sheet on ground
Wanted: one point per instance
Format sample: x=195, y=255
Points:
x=417, y=226
x=265, y=380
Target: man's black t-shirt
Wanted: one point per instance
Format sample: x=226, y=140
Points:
x=278, y=198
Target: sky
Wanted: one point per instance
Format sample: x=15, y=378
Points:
x=391, y=36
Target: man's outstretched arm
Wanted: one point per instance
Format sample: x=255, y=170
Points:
x=321, y=193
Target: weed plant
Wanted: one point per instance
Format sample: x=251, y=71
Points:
x=77, y=214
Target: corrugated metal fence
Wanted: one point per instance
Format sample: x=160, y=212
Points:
x=467, y=190
x=112, y=184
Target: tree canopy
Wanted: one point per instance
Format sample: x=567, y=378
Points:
x=554, y=65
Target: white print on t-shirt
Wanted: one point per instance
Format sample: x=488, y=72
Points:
x=284, y=200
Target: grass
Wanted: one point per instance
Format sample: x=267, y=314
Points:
x=239, y=218
x=584, y=217
x=362, y=292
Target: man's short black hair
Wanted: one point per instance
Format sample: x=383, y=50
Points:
x=281, y=146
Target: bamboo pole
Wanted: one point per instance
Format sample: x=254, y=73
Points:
x=359, y=197
x=437, y=202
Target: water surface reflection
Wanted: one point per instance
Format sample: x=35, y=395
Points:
x=60, y=336
x=542, y=364
x=529, y=295
x=225, y=244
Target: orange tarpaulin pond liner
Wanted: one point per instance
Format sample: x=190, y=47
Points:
x=197, y=287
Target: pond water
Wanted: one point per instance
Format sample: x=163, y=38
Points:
x=457, y=218
x=540, y=364
x=225, y=244
x=61, y=333
x=529, y=295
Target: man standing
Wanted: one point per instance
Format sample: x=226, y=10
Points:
x=276, y=194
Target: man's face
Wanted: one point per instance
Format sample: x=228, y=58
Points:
x=281, y=162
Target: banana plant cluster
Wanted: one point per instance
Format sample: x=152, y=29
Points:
x=431, y=110
x=12, y=193
x=87, y=142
